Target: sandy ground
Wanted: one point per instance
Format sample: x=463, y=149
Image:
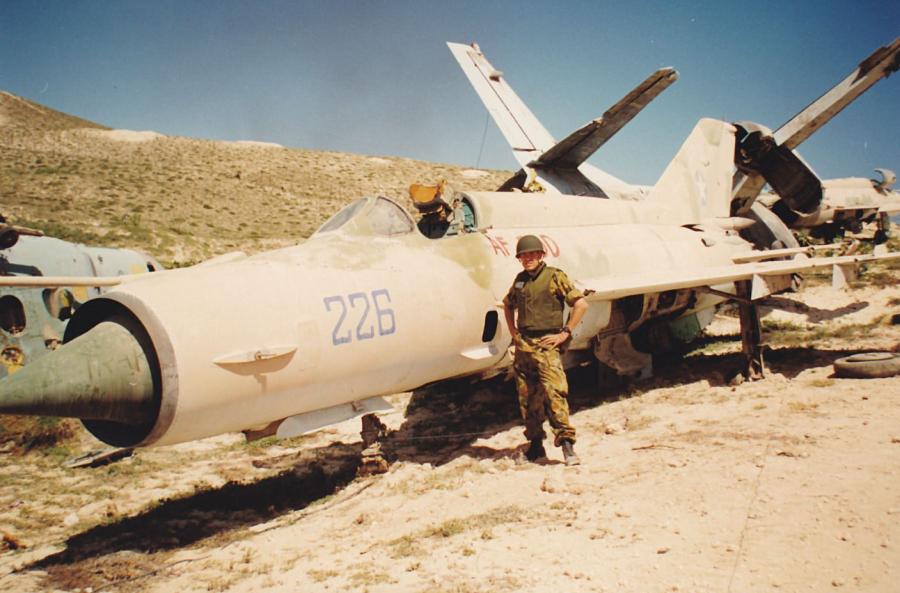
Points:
x=687, y=484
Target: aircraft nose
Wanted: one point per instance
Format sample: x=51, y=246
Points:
x=103, y=374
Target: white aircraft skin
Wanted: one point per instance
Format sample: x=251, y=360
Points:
x=369, y=306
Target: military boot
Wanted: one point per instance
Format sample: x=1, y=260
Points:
x=569, y=453
x=535, y=450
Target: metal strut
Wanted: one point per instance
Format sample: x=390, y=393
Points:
x=751, y=333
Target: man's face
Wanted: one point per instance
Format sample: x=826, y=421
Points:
x=530, y=260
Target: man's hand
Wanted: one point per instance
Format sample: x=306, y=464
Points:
x=553, y=340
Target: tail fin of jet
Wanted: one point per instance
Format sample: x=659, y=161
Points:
x=697, y=183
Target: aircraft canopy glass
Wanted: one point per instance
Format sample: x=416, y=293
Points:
x=387, y=218
x=382, y=217
x=342, y=216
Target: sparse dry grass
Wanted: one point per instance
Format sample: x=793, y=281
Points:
x=639, y=422
x=804, y=407
x=182, y=199
x=445, y=478
x=790, y=334
x=319, y=576
x=417, y=543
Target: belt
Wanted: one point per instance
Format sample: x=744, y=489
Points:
x=538, y=333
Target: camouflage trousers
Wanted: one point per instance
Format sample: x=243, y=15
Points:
x=542, y=388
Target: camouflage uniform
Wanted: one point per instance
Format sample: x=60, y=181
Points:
x=540, y=378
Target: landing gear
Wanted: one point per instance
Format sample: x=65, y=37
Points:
x=372, y=433
x=751, y=333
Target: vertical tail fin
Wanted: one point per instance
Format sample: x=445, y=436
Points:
x=697, y=183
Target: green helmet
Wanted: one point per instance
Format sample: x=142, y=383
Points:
x=529, y=243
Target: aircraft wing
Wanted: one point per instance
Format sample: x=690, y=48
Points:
x=522, y=130
x=617, y=286
x=889, y=207
x=582, y=143
x=880, y=64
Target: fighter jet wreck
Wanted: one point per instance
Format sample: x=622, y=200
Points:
x=761, y=156
x=305, y=336
x=33, y=315
x=847, y=204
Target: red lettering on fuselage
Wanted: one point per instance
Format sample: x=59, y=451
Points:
x=549, y=245
x=498, y=244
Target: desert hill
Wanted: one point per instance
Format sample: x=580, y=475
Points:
x=27, y=116
x=184, y=199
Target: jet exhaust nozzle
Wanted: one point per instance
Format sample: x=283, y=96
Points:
x=103, y=374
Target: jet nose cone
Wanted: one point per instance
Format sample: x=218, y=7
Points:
x=103, y=374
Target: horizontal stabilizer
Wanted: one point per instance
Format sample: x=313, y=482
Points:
x=581, y=144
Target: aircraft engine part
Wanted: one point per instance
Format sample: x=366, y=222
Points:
x=769, y=232
x=8, y=236
x=756, y=151
x=617, y=352
x=868, y=365
x=108, y=377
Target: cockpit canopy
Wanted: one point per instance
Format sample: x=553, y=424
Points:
x=378, y=217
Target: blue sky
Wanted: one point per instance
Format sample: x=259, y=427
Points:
x=375, y=77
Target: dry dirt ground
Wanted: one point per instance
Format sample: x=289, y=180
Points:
x=687, y=484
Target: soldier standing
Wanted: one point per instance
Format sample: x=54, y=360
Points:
x=534, y=315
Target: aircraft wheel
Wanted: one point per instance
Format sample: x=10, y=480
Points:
x=868, y=365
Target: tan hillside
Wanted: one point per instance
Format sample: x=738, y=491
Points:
x=26, y=116
x=184, y=199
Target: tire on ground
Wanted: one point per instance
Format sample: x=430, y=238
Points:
x=869, y=365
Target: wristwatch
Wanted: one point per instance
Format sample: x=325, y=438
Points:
x=566, y=330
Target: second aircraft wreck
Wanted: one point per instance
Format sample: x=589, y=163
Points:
x=33, y=314
x=368, y=306
x=800, y=199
